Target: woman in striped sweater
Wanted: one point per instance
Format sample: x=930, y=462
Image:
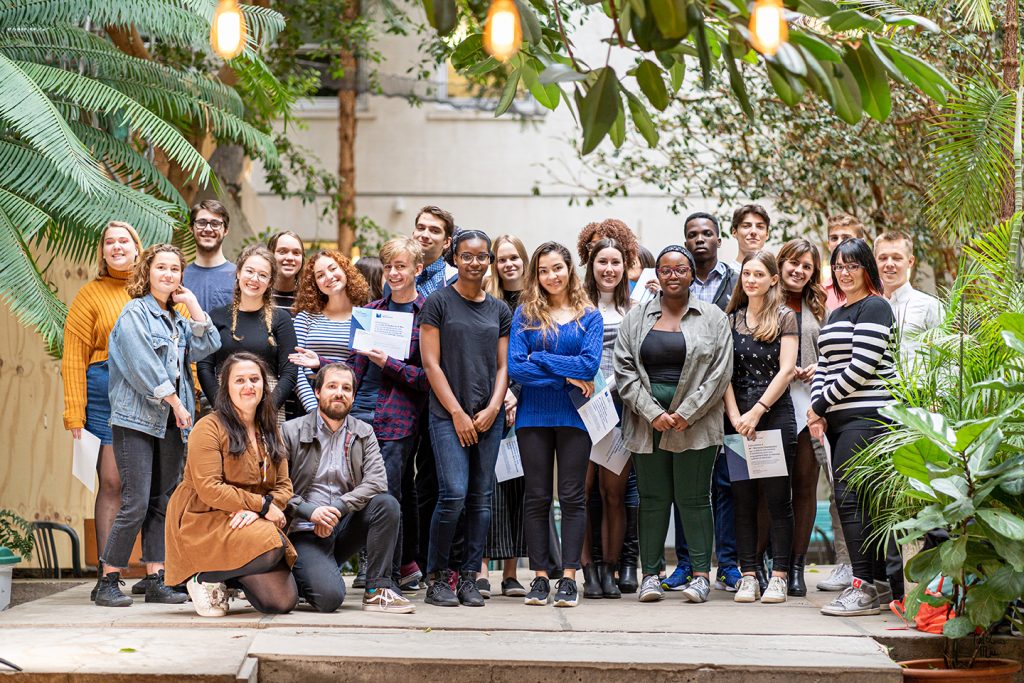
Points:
x=554, y=350
x=854, y=364
x=330, y=286
x=90, y=319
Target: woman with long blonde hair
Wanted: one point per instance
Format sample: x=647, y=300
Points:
x=554, y=351
x=508, y=272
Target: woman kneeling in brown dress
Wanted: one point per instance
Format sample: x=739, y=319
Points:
x=225, y=525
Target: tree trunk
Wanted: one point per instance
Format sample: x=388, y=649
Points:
x=1011, y=77
x=347, y=141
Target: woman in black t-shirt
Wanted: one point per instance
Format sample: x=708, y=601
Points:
x=765, y=341
x=464, y=344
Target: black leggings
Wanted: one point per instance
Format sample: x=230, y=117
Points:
x=866, y=557
x=538, y=448
x=266, y=580
x=805, y=492
x=776, y=492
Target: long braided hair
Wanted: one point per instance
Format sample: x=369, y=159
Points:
x=267, y=307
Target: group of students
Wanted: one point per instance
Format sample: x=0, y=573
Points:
x=311, y=452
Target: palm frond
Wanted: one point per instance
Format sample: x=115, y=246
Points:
x=978, y=14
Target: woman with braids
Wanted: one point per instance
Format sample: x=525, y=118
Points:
x=252, y=323
x=330, y=286
x=554, y=351
x=225, y=521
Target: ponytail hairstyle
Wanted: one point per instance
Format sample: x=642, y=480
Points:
x=266, y=414
x=814, y=293
x=767, y=326
x=267, y=306
x=533, y=302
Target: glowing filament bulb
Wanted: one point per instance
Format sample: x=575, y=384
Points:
x=227, y=32
x=768, y=26
x=503, y=33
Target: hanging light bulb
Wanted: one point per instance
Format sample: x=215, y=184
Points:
x=502, y=31
x=768, y=28
x=227, y=32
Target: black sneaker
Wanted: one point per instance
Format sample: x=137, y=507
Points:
x=439, y=593
x=108, y=592
x=512, y=588
x=484, y=586
x=467, y=592
x=139, y=588
x=540, y=589
x=160, y=593
x=566, y=594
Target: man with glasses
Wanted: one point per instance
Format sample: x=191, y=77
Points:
x=211, y=277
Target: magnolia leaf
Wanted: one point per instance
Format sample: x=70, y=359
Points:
x=508, y=94
x=529, y=23
x=676, y=74
x=617, y=133
x=930, y=80
x=788, y=89
x=648, y=77
x=853, y=20
x=464, y=55
x=847, y=104
x=816, y=46
x=736, y=80
x=670, y=16
x=560, y=73
x=642, y=119
x=600, y=108
x=910, y=20
x=871, y=78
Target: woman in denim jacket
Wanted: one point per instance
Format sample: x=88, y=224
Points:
x=152, y=399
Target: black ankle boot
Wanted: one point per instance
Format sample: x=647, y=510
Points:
x=108, y=592
x=592, y=581
x=157, y=591
x=762, y=579
x=608, y=587
x=628, y=580
x=797, y=587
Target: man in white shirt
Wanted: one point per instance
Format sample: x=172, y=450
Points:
x=915, y=311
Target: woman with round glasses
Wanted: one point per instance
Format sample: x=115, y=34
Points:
x=855, y=363
x=673, y=363
x=253, y=323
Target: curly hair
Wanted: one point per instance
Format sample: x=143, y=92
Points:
x=103, y=271
x=138, y=283
x=309, y=297
x=534, y=301
x=611, y=228
x=814, y=293
x=267, y=306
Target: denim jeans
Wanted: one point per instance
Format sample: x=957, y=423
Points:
x=396, y=454
x=725, y=523
x=150, y=470
x=316, y=567
x=465, y=479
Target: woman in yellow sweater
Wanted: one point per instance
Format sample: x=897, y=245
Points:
x=90, y=319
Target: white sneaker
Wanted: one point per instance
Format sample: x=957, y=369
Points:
x=839, y=580
x=748, y=590
x=775, y=592
x=209, y=599
x=650, y=589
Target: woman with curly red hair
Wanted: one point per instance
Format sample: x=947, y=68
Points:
x=329, y=287
x=609, y=228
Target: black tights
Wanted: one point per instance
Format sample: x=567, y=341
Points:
x=611, y=504
x=108, y=495
x=867, y=559
x=266, y=580
x=805, y=493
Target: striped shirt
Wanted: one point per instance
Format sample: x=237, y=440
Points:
x=329, y=339
x=855, y=361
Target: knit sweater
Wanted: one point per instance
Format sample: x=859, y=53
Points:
x=90, y=319
x=542, y=363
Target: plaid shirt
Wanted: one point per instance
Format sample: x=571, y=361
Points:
x=403, y=383
x=705, y=291
x=432, y=278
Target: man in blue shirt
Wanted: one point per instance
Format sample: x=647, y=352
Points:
x=434, y=230
x=211, y=277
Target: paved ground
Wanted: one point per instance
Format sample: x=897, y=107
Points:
x=64, y=637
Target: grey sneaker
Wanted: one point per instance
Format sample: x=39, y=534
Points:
x=697, y=590
x=650, y=589
x=884, y=590
x=838, y=580
x=748, y=590
x=776, y=591
x=859, y=600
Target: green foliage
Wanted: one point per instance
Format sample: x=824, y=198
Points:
x=16, y=534
x=85, y=128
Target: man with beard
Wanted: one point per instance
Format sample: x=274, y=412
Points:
x=211, y=277
x=340, y=500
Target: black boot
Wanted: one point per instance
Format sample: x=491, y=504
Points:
x=108, y=592
x=99, y=577
x=628, y=581
x=157, y=591
x=608, y=587
x=592, y=581
x=360, y=580
x=762, y=579
x=797, y=587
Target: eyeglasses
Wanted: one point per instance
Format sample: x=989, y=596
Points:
x=846, y=267
x=207, y=223
x=667, y=271
x=250, y=274
x=468, y=258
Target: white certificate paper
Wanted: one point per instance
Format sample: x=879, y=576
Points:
x=800, y=393
x=610, y=452
x=85, y=452
x=509, y=465
x=389, y=331
x=598, y=412
x=640, y=293
x=757, y=459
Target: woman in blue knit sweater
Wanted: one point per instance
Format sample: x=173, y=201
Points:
x=554, y=350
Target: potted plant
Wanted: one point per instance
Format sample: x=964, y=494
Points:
x=15, y=537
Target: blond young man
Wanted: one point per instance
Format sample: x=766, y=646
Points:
x=915, y=311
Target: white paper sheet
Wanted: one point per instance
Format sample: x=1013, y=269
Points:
x=610, y=452
x=598, y=412
x=763, y=457
x=640, y=293
x=509, y=465
x=800, y=393
x=388, y=331
x=85, y=452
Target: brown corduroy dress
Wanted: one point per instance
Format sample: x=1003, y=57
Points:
x=216, y=485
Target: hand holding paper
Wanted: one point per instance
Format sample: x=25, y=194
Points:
x=84, y=454
x=388, y=332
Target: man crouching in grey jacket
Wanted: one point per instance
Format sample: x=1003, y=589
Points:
x=341, y=501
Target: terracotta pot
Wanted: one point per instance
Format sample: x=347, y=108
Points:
x=984, y=671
